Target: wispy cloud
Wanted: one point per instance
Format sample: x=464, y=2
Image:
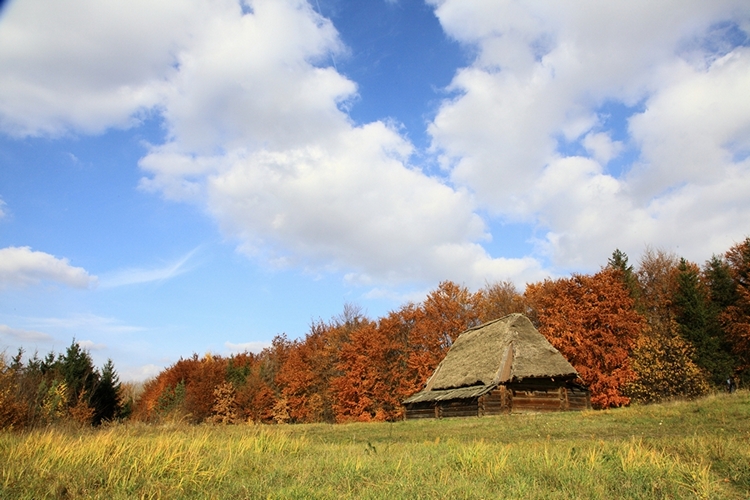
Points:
x=83, y=323
x=24, y=335
x=255, y=347
x=134, y=276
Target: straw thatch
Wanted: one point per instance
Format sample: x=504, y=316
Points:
x=502, y=351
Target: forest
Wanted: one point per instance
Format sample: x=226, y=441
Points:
x=663, y=329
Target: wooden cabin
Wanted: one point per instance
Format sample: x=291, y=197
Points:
x=503, y=366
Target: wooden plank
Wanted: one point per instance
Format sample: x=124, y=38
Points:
x=419, y=417
x=543, y=401
x=536, y=404
x=535, y=396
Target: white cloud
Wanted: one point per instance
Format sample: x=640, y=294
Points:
x=85, y=323
x=257, y=135
x=256, y=132
x=134, y=276
x=21, y=266
x=18, y=334
x=83, y=65
x=3, y=210
x=541, y=77
x=295, y=181
x=254, y=347
x=90, y=345
x=601, y=147
x=139, y=373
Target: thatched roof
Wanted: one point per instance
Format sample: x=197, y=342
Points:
x=505, y=350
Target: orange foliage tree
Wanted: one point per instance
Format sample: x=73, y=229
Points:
x=306, y=375
x=436, y=323
x=385, y=362
x=311, y=365
x=183, y=390
x=736, y=316
x=664, y=360
x=592, y=322
x=372, y=364
x=499, y=299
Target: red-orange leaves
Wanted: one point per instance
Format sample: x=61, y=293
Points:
x=592, y=322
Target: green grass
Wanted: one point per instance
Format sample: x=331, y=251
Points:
x=697, y=449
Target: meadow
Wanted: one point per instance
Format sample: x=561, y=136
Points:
x=688, y=449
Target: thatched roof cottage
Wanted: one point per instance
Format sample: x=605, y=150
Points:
x=502, y=366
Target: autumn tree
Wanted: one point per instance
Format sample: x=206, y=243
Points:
x=224, y=409
x=56, y=388
x=436, y=323
x=305, y=376
x=735, y=317
x=663, y=359
x=497, y=300
x=12, y=409
x=255, y=398
x=367, y=387
x=312, y=363
x=592, y=322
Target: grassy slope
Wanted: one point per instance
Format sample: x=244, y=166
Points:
x=695, y=449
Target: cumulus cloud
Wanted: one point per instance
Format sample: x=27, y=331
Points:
x=295, y=181
x=258, y=135
x=90, y=345
x=21, y=266
x=83, y=65
x=527, y=131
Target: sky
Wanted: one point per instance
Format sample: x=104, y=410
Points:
x=192, y=176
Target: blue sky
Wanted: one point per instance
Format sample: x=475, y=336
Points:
x=180, y=177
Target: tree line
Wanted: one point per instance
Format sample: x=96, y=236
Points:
x=662, y=329
x=60, y=388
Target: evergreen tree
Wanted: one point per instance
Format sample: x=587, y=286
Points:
x=699, y=323
x=105, y=398
x=722, y=288
x=619, y=262
x=78, y=373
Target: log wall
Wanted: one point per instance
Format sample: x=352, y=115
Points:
x=532, y=396
x=458, y=408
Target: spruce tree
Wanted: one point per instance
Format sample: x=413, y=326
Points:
x=699, y=323
x=106, y=395
x=78, y=373
x=619, y=262
x=722, y=288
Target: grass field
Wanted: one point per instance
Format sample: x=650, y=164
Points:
x=698, y=449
